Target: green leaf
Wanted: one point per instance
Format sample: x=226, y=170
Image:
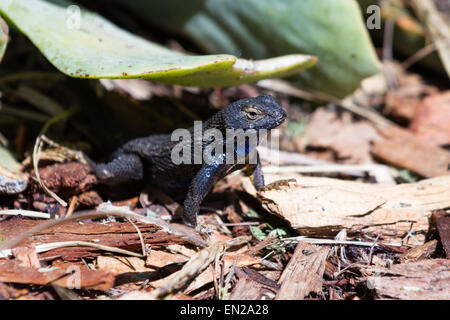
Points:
x=278, y=232
x=296, y=129
x=3, y=37
x=251, y=214
x=258, y=233
x=332, y=30
x=407, y=176
x=99, y=49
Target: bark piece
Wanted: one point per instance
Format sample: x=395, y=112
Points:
x=403, y=149
x=27, y=256
x=442, y=221
x=423, y=280
x=420, y=252
x=65, y=178
x=196, y=265
x=10, y=292
x=90, y=199
x=246, y=289
x=304, y=272
x=323, y=206
x=114, y=234
x=207, y=276
x=12, y=272
x=252, y=285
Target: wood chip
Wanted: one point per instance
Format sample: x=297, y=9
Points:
x=252, y=285
x=323, y=206
x=12, y=272
x=27, y=256
x=423, y=280
x=198, y=262
x=442, y=221
x=65, y=178
x=304, y=272
x=420, y=252
x=247, y=289
x=114, y=234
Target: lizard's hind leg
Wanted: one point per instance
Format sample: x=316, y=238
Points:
x=125, y=167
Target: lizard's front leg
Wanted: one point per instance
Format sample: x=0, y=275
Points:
x=123, y=168
x=254, y=171
x=200, y=186
x=256, y=175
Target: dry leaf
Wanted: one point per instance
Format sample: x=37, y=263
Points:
x=158, y=259
x=432, y=120
x=118, y=264
x=351, y=141
x=403, y=149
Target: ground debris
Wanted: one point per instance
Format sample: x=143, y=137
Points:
x=159, y=258
x=323, y=206
x=403, y=149
x=350, y=140
x=432, y=118
x=442, y=220
x=173, y=283
x=423, y=280
x=11, y=271
x=114, y=234
x=304, y=272
x=12, y=182
x=66, y=178
x=252, y=285
x=228, y=259
x=119, y=265
x=420, y=252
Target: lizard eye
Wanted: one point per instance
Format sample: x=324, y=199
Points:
x=252, y=113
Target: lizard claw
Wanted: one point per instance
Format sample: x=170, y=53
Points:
x=276, y=185
x=204, y=229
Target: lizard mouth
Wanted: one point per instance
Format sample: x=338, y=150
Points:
x=280, y=120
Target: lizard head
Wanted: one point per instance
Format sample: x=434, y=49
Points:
x=262, y=112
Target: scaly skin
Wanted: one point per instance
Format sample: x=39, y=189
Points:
x=152, y=155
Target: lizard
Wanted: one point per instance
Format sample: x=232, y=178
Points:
x=152, y=155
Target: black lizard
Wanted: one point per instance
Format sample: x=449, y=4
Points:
x=153, y=155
